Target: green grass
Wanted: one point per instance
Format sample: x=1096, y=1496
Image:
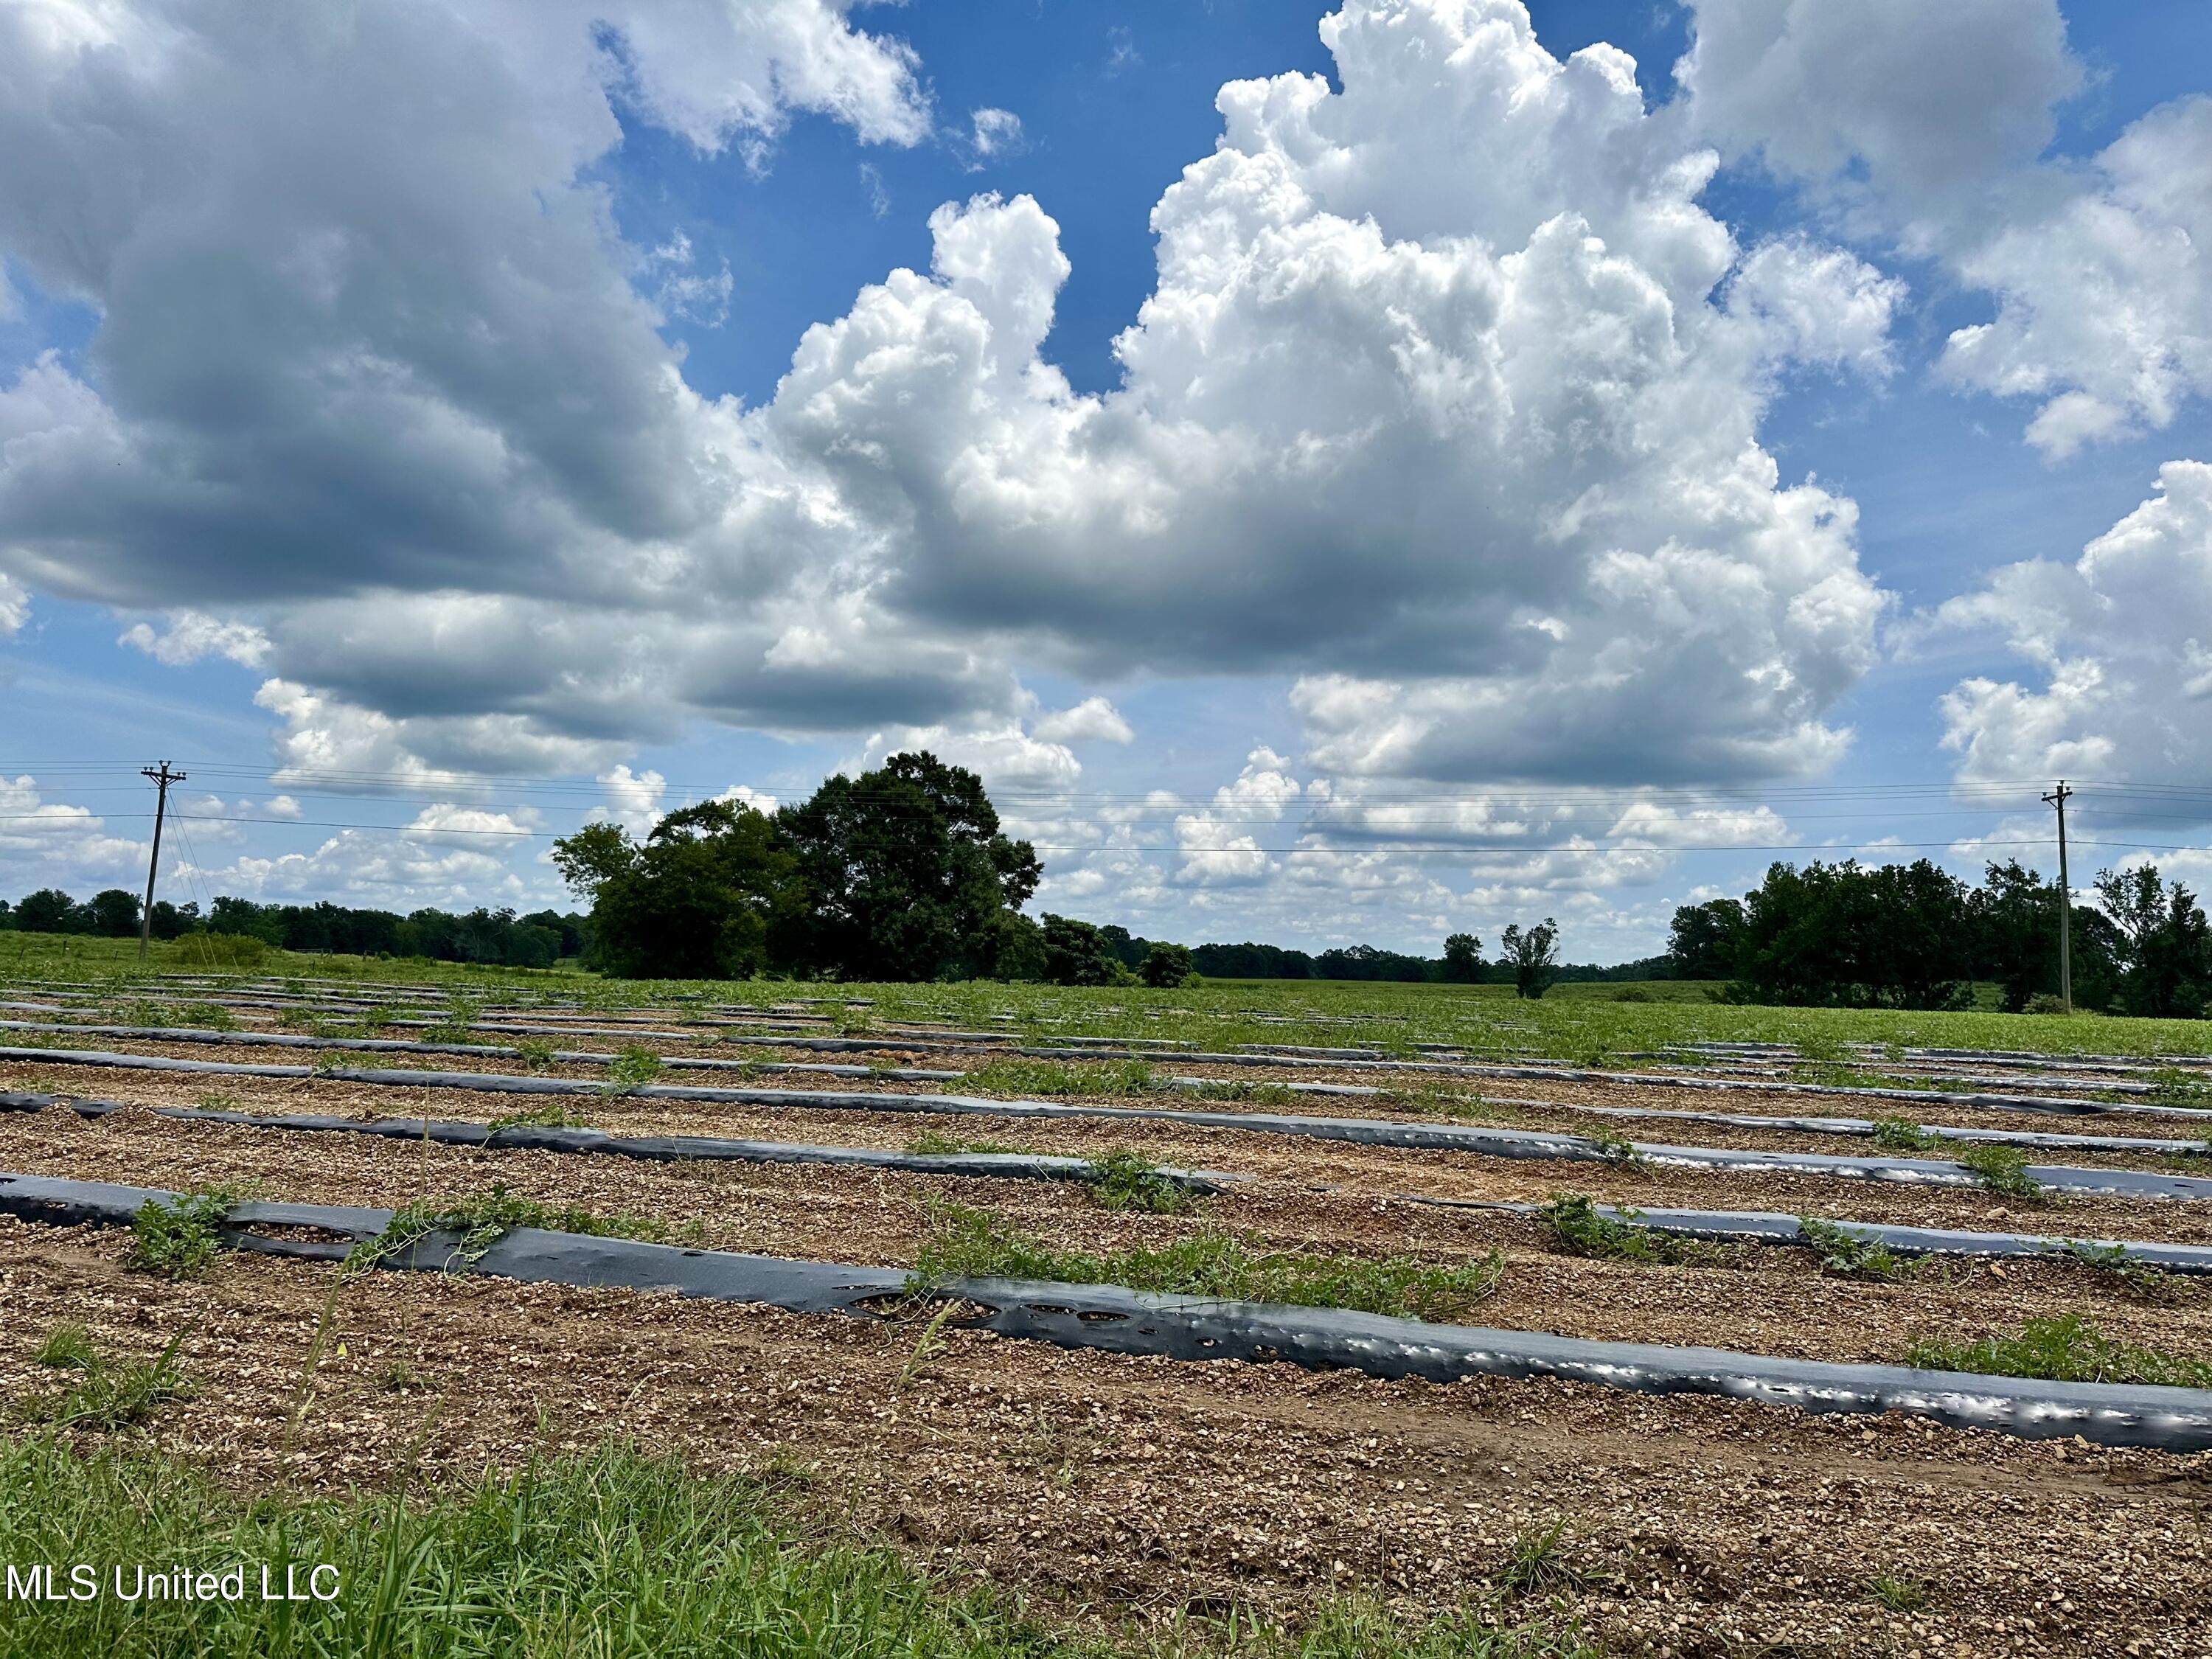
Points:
x=1902, y=1134
x=1110, y=1078
x=107, y=1395
x=67, y=1346
x=482, y=1219
x=932, y=1143
x=968, y=1244
x=179, y=1239
x=1246, y=1092
x=1999, y=1168
x=1572, y=1022
x=1846, y=1255
x=1898, y=1594
x=1537, y=1564
x=613, y=1553
x=1572, y=1221
x=2061, y=1348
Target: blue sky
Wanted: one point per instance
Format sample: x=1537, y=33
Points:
x=1491, y=483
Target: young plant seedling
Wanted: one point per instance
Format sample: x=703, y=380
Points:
x=2001, y=1170
x=179, y=1239
x=1902, y=1134
x=631, y=1070
x=1846, y=1255
x=1123, y=1180
x=1573, y=1221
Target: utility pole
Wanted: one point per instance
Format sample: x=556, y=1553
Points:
x=162, y=779
x=2058, y=799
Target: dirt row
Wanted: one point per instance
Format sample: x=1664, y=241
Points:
x=1143, y=1485
x=1755, y=1298
x=1546, y=1105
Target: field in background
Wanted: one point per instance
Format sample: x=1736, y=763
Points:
x=1585, y=1021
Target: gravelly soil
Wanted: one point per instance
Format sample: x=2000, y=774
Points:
x=1708, y=1527
x=1759, y=1298
x=1711, y=1527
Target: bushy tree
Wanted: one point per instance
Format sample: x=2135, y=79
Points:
x=2165, y=944
x=50, y=910
x=1533, y=956
x=1167, y=967
x=1705, y=939
x=1829, y=934
x=711, y=893
x=1077, y=953
x=169, y=920
x=115, y=914
x=1463, y=959
x=905, y=871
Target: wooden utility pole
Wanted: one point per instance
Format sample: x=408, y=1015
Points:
x=162, y=779
x=2058, y=797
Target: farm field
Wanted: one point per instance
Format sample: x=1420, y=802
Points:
x=1253, y=1318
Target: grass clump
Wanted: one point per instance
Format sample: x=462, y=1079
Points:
x=1243, y=1091
x=551, y=1115
x=1847, y=1254
x=1574, y=1225
x=482, y=1219
x=180, y=1238
x=1897, y=1593
x=614, y=1553
x=67, y=1346
x=633, y=1068
x=2001, y=1169
x=1123, y=1180
x=1110, y=1078
x=1902, y=1134
x=106, y=1396
x=967, y=1244
x=2061, y=1348
x=933, y=1142
x=1536, y=1563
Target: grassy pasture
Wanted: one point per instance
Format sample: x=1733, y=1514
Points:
x=1583, y=1021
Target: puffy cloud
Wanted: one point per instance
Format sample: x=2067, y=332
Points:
x=190, y=635
x=1926, y=102
x=1820, y=305
x=1487, y=431
x=15, y=605
x=634, y=799
x=1093, y=720
x=44, y=841
x=1928, y=124
x=2121, y=644
x=2105, y=294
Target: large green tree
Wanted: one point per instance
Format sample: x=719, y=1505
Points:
x=711, y=893
x=907, y=875
x=2165, y=944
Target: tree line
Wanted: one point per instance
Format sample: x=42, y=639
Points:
x=1914, y=936
x=498, y=937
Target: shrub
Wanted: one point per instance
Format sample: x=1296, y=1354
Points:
x=1167, y=967
x=2043, y=1002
